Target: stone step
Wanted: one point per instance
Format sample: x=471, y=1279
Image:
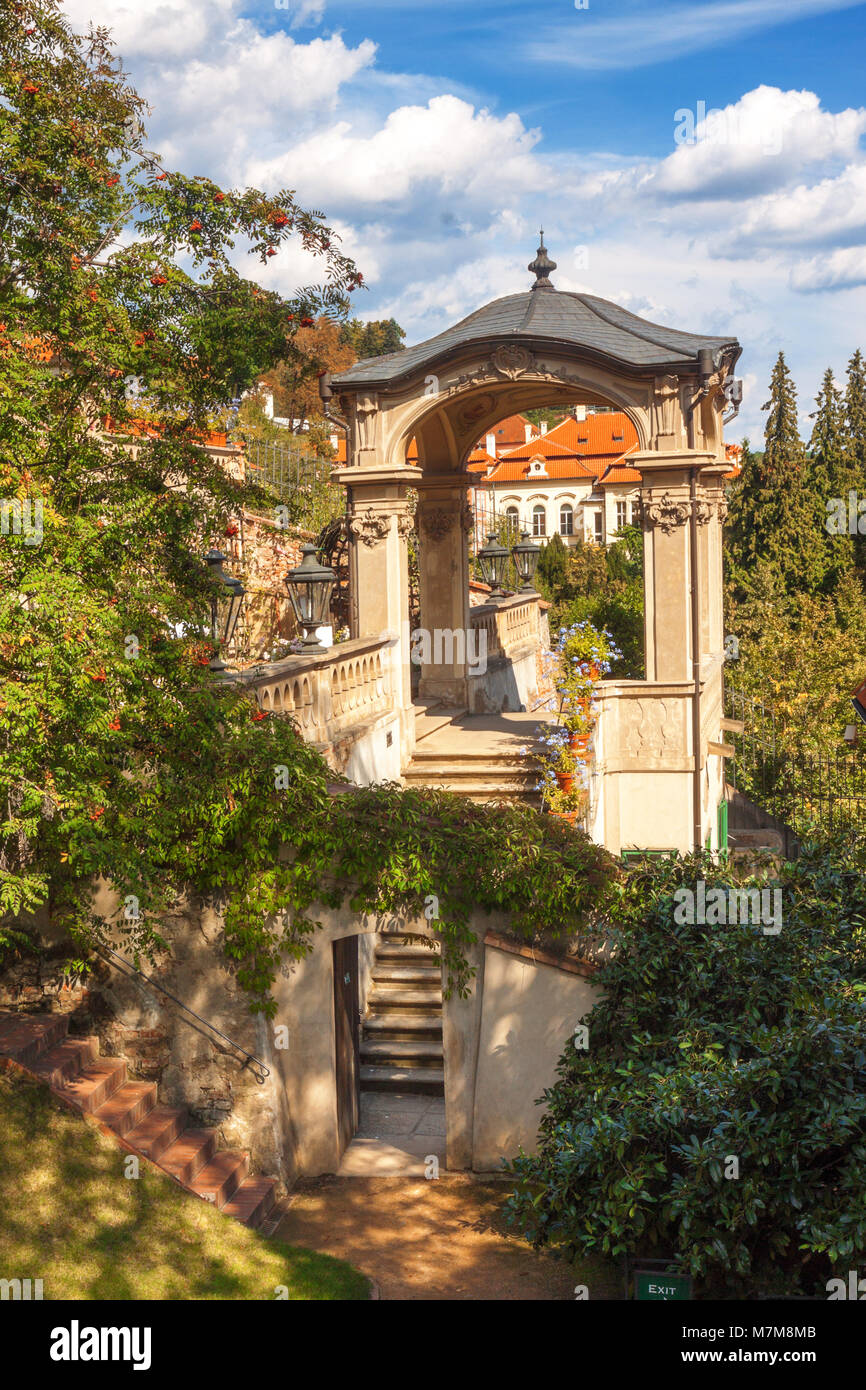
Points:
x=407, y=952
x=395, y=1025
x=156, y=1133
x=383, y=999
x=63, y=1061
x=23, y=1037
x=189, y=1154
x=95, y=1084
x=252, y=1202
x=381, y=1078
x=415, y=1052
x=472, y=775
x=481, y=761
x=219, y=1179
x=427, y=976
x=128, y=1106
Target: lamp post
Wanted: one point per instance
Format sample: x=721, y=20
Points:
x=526, y=554
x=310, y=586
x=225, y=606
x=493, y=559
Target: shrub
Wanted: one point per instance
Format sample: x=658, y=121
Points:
x=714, y=1041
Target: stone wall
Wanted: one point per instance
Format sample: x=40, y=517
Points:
x=501, y=1044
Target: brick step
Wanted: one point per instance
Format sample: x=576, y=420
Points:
x=153, y=1135
x=382, y=999
x=219, y=1179
x=24, y=1036
x=381, y=1078
x=189, y=1154
x=252, y=1202
x=64, y=1061
x=128, y=1106
x=396, y=1025
x=417, y=1052
x=95, y=1084
x=425, y=975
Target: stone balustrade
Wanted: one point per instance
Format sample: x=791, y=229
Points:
x=507, y=678
x=327, y=692
x=509, y=624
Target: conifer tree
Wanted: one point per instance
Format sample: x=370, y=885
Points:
x=829, y=476
x=775, y=517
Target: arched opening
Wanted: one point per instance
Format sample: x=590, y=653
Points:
x=566, y=519
x=539, y=520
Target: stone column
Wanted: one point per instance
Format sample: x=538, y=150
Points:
x=379, y=526
x=666, y=508
x=444, y=530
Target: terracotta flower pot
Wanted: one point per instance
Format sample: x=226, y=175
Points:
x=578, y=743
x=565, y=781
x=569, y=816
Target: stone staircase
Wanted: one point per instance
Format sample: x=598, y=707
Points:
x=401, y=1033
x=99, y=1086
x=479, y=776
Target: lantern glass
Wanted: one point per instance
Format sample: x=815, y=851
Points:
x=493, y=559
x=310, y=586
x=225, y=606
x=526, y=554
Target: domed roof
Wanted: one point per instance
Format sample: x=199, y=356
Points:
x=545, y=317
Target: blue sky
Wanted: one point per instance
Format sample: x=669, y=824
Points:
x=437, y=136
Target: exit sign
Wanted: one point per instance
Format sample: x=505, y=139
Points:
x=652, y=1286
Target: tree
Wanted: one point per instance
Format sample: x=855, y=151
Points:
x=829, y=475
x=855, y=441
x=715, y=1039
x=316, y=347
x=116, y=755
x=373, y=339
x=773, y=515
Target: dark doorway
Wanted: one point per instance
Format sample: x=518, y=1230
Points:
x=346, y=1036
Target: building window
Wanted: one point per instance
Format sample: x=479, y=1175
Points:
x=598, y=528
x=620, y=515
x=539, y=521
x=512, y=516
x=566, y=519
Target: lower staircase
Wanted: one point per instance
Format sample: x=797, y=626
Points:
x=99, y=1086
x=401, y=1033
x=479, y=776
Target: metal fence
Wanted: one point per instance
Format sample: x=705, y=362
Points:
x=284, y=469
x=797, y=787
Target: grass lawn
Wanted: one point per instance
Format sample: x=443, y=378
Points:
x=68, y=1216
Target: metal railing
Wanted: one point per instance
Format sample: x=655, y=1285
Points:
x=258, y=1068
x=799, y=787
x=284, y=469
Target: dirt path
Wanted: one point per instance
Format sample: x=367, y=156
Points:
x=442, y=1239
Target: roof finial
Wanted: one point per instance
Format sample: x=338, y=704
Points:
x=542, y=266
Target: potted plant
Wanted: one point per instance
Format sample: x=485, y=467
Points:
x=581, y=655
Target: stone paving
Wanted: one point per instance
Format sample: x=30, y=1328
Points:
x=396, y=1134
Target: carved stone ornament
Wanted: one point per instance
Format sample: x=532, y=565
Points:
x=405, y=524
x=371, y=528
x=703, y=511
x=666, y=511
x=475, y=410
x=512, y=360
x=366, y=412
x=665, y=402
x=437, y=523
x=467, y=518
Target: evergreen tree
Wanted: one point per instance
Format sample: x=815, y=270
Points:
x=830, y=476
x=373, y=339
x=774, y=516
x=855, y=442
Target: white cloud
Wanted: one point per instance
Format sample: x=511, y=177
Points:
x=843, y=269
x=764, y=140
x=646, y=33
x=446, y=145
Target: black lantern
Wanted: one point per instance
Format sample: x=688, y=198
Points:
x=225, y=606
x=526, y=554
x=310, y=587
x=493, y=559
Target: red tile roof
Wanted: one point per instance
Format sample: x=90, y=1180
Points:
x=595, y=434
x=620, y=473
x=511, y=430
